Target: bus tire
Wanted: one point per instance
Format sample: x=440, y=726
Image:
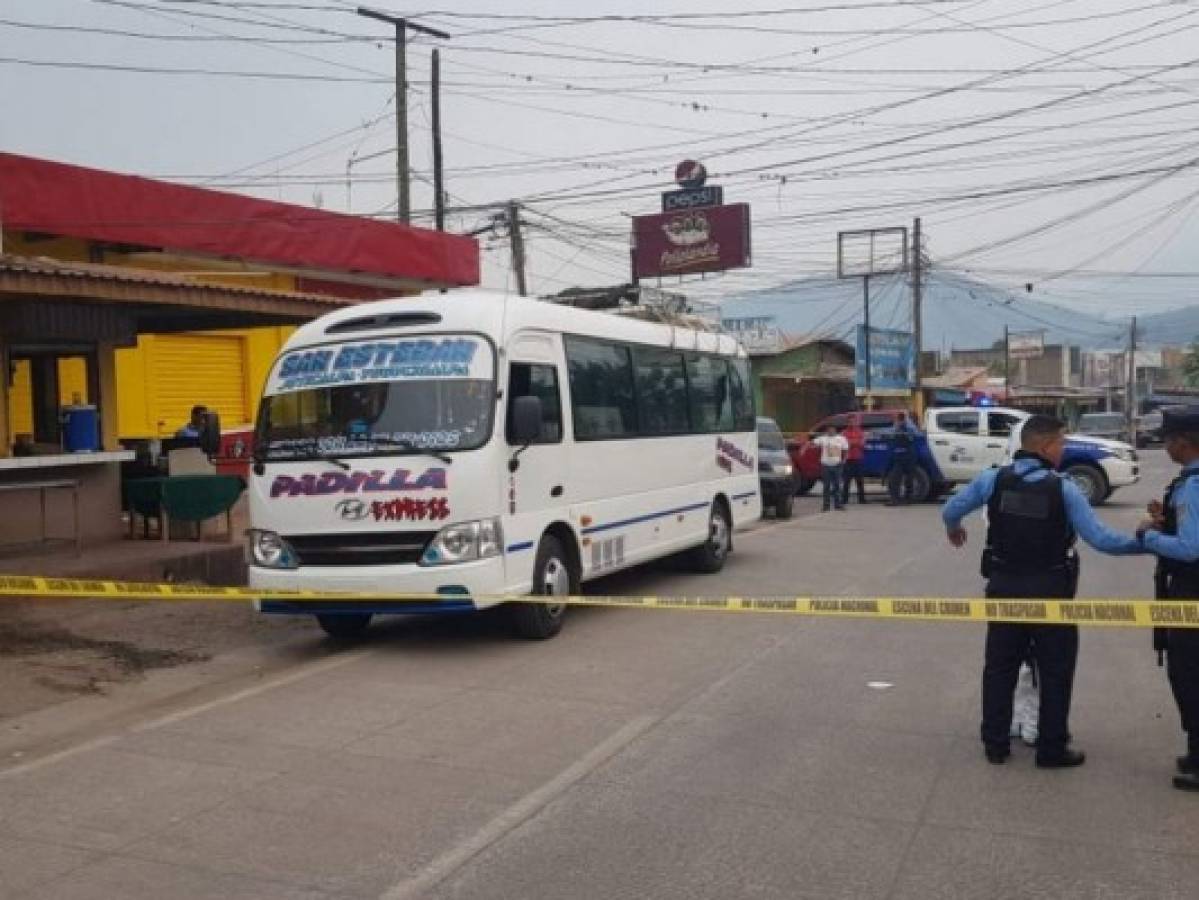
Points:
x=553, y=575
x=344, y=626
x=1090, y=481
x=784, y=507
x=709, y=557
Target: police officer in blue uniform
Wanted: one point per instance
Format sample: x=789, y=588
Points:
x=1174, y=537
x=903, y=460
x=1034, y=518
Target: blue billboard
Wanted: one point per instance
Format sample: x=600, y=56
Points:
x=892, y=362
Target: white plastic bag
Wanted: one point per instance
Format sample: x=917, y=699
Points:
x=1026, y=707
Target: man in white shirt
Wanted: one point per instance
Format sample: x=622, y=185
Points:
x=833, y=450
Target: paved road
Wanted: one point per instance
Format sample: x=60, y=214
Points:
x=639, y=755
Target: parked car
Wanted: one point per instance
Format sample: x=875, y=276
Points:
x=877, y=461
x=960, y=442
x=775, y=470
x=1108, y=425
x=1149, y=428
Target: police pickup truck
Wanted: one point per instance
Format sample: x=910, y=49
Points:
x=961, y=441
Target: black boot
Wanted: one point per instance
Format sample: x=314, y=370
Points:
x=1187, y=782
x=1065, y=759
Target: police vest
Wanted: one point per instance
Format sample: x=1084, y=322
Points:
x=1028, y=529
x=1182, y=574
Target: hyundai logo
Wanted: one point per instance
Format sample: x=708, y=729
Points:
x=352, y=510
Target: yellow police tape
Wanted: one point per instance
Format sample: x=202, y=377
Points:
x=1127, y=613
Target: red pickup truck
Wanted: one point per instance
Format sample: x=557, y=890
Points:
x=805, y=456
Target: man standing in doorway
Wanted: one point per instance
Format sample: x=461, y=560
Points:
x=855, y=438
x=903, y=459
x=833, y=450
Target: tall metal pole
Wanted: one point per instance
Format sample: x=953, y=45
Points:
x=438, y=172
x=403, y=184
x=1007, y=365
x=917, y=314
x=1130, y=391
x=516, y=239
x=866, y=333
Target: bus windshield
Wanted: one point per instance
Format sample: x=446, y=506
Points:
x=379, y=398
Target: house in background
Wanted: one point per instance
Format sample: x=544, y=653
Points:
x=804, y=381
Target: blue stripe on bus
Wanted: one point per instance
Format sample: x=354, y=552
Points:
x=745, y=496
x=523, y=545
x=646, y=518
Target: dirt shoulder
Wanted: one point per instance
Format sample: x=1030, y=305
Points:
x=55, y=651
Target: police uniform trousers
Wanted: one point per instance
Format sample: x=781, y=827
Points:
x=1053, y=647
x=903, y=475
x=1182, y=668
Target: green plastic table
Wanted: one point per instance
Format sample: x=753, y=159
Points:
x=186, y=498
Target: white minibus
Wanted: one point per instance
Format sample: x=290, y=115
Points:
x=469, y=445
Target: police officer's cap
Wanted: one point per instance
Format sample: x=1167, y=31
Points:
x=1180, y=420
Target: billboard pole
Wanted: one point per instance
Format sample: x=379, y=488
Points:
x=917, y=264
x=1007, y=365
x=866, y=329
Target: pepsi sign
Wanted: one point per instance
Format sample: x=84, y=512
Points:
x=712, y=195
x=690, y=175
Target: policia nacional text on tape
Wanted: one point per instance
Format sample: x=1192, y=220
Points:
x=1127, y=613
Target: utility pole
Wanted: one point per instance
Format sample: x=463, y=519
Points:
x=438, y=172
x=1130, y=390
x=517, y=241
x=866, y=332
x=403, y=186
x=1007, y=366
x=917, y=315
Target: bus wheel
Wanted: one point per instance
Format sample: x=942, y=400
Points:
x=345, y=626
x=552, y=577
x=709, y=556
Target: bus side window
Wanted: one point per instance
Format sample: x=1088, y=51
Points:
x=530, y=379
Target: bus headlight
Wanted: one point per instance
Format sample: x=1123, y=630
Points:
x=464, y=542
x=269, y=550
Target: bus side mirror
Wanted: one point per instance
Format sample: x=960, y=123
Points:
x=526, y=420
x=210, y=437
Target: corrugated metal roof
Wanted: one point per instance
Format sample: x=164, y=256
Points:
x=42, y=265
x=954, y=377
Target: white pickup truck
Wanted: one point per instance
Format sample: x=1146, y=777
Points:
x=959, y=442
x=965, y=440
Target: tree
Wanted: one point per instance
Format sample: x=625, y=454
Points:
x=1190, y=365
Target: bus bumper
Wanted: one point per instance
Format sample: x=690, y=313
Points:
x=464, y=587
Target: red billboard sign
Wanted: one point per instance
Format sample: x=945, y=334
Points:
x=691, y=241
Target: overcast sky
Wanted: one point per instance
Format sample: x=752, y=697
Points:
x=1045, y=142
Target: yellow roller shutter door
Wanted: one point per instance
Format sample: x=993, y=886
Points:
x=198, y=368
x=20, y=399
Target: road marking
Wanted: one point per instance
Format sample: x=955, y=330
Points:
x=517, y=814
x=316, y=668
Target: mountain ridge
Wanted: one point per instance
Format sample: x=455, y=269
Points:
x=960, y=312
